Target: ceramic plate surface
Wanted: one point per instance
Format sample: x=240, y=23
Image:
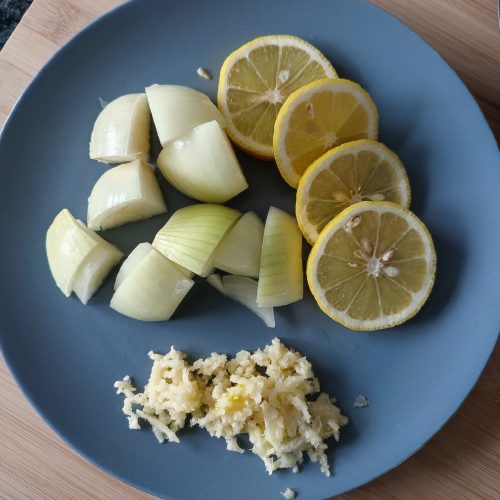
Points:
x=66, y=356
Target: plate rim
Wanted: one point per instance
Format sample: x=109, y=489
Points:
x=67, y=45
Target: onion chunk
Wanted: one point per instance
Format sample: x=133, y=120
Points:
x=150, y=288
x=192, y=234
x=176, y=110
x=244, y=291
x=239, y=251
x=79, y=259
x=121, y=131
x=123, y=194
x=202, y=164
x=280, y=278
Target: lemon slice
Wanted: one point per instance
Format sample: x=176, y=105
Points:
x=318, y=117
x=357, y=171
x=256, y=79
x=373, y=266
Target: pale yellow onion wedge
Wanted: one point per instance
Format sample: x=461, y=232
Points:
x=239, y=251
x=281, y=276
x=192, y=234
x=79, y=259
x=183, y=270
x=216, y=281
x=123, y=194
x=202, y=165
x=243, y=290
x=137, y=254
x=134, y=257
x=121, y=131
x=152, y=290
x=94, y=270
x=208, y=269
x=176, y=110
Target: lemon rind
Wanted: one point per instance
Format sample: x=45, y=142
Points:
x=303, y=94
x=243, y=142
x=323, y=162
x=419, y=298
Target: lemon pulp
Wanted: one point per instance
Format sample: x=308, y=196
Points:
x=357, y=171
x=257, y=78
x=373, y=266
x=317, y=118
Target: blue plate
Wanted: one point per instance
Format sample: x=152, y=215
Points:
x=66, y=356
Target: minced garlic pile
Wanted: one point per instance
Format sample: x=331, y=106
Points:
x=267, y=395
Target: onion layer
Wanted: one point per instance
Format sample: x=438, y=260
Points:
x=79, y=259
x=244, y=291
x=202, y=164
x=151, y=288
x=280, y=277
x=176, y=110
x=123, y=194
x=239, y=251
x=121, y=131
x=192, y=234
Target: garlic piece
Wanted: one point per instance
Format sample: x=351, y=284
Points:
x=123, y=194
x=203, y=73
x=121, y=131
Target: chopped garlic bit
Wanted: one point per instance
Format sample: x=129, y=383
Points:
x=203, y=73
x=288, y=494
x=170, y=395
x=232, y=445
x=267, y=394
x=361, y=401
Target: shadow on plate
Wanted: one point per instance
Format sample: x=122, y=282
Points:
x=450, y=262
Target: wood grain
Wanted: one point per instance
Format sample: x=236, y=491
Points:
x=461, y=462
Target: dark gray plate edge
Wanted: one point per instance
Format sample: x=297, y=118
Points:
x=25, y=390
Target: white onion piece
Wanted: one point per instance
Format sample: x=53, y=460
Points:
x=176, y=110
x=79, y=259
x=202, y=164
x=208, y=269
x=216, y=281
x=244, y=291
x=94, y=270
x=123, y=194
x=239, y=251
x=192, y=234
x=152, y=290
x=121, y=131
x=280, y=277
x=183, y=270
x=134, y=257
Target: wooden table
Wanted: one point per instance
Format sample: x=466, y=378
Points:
x=461, y=462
